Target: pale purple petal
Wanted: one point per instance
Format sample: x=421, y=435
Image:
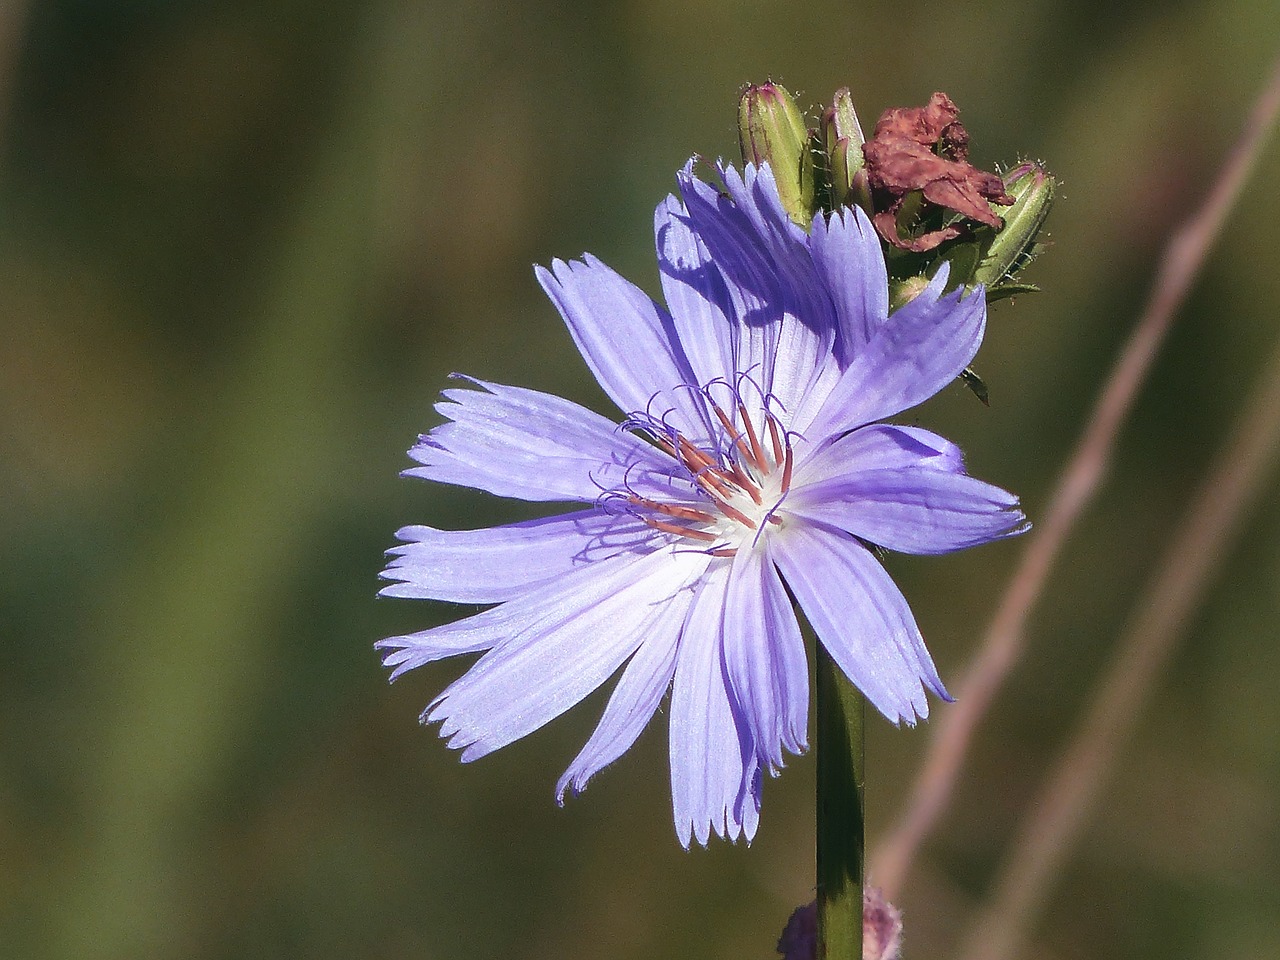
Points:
x=764, y=657
x=644, y=683
x=745, y=816
x=472, y=635
x=500, y=563
x=712, y=755
x=783, y=309
x=861, y=618
x=521, y=443
x=695, y=293
x=552, y=664
x=913, y=509
x=786, y=246
x=878, y=446
x=754, y=295
x=535, y=606
x=846, y=251
x=920, y=349
x=784, y=243
x=627, y=340
x=755, y=192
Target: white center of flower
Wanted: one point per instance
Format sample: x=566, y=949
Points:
x=741, y=487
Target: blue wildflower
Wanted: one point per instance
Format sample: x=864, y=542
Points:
x=752, y=468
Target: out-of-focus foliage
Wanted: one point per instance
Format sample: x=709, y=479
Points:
x=241, y=246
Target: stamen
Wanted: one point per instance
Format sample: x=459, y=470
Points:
x=729, y=510
x=775, y=439
x=735, y=465
x=745, y=482
x=674, y=510
x=693, y=458
x=668, y=527
x=705, y=473
x=736, y=436
x=717, y=491
x=757, y=451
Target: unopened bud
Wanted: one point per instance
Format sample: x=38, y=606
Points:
x=842, y=141
x=902, y=292
x=771, y=129
x=1014, y=244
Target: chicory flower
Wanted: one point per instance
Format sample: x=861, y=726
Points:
x=752, y=469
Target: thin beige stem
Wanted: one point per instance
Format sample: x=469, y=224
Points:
x=1179, y=267
x=1064, y=802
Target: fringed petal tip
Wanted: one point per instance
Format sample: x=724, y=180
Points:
x=930, y=683
x=733, y=820
x=916, y=711
x=399, y=590
x=725, y=829
x=573, y=783
x=908, y=716
x=935, y=294
x=471, y=744
x=1018, y=523
x=941, y=692
x=566, y=788
x=399, y=654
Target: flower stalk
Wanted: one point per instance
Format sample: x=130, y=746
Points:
x=840, y=745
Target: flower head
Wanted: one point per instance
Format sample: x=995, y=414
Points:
x=751, y=468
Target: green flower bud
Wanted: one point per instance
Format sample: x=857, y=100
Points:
x=842, y=142
x=771, y=129
x=902, y=292
x=1014, y=244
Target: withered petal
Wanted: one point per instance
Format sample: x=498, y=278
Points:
x=900, y=165
x=886, y=223
x=923, y=125
x=926, y=149
x=963, y=197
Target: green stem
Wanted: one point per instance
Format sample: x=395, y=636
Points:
x=841, y=780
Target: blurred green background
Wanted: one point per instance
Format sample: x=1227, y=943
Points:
x=242, y=244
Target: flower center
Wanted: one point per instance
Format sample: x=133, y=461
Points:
x=739, y=487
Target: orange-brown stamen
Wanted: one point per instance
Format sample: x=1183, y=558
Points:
x=746, y=483
x=757, y=451
x=731, y=511
x=775, y=439
x=674, y=510
x=735, y=434
x=667, y=527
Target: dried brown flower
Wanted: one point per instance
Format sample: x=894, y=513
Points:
x=926, y=149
